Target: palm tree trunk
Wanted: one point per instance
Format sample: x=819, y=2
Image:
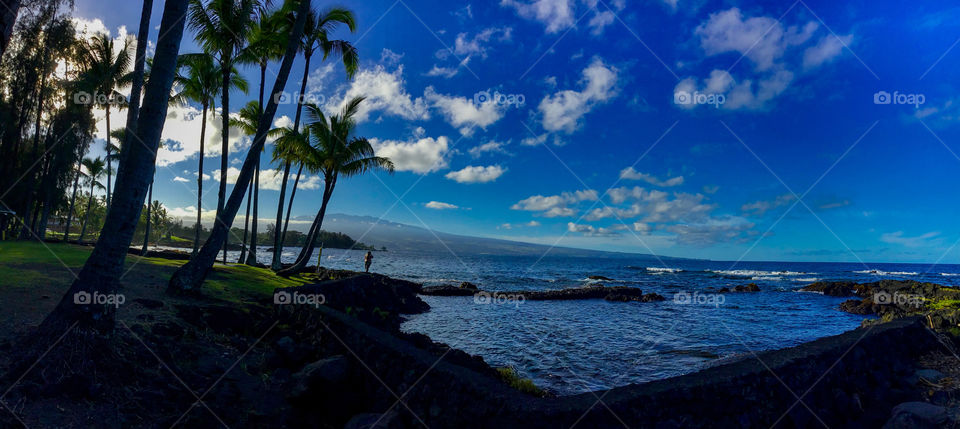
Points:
x=224, y=140
x=252, y=251
x=203, y=132
x=293, y=193
x=277, y=236
x=246, y=226
x=109, y=174
x=310, y=245
x=73, y=200
x=278, y=233
x=86, y=217
x=136, y=86
x=146, y=232
x=102, y=270
x=191, y=275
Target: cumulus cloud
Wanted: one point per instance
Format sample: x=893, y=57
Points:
x=476, y=45
x=476, y=174
x=531, y=224
x=720, y=229
x=558, y=15
x=437, y=205
x=765, y=43
x=563, y=110
x=423, y=155
x=592, y=231
x=630, y=174
x=385, y=93
x=555, y=205
x=462, y=112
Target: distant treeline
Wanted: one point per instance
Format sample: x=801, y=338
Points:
x=330, y=240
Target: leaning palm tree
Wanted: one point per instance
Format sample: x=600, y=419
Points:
x=106, y=71
x=247, y=121
x=198, y=80
x=222, y=27
x=95, y=170
x=315, y=37
x=190, y=276
x=266, y=44
x=335, y=152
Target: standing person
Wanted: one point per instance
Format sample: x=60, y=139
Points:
x=367, y=260
x=319, y=258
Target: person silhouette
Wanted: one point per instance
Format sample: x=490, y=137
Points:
x=367, y=260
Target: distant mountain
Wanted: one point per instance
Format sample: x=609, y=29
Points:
x=401, y=237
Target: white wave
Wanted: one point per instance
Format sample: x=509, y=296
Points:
x=806, y=279
x=887, y=273
x=950, y=274
x=659, y=270
x=758, y=273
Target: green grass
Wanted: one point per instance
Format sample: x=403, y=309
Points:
x=525, y=385
x=27, y=263
x=945, y=304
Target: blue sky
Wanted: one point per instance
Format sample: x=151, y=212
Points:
x=615, y=146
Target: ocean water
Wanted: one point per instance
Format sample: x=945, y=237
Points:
x=571, y=347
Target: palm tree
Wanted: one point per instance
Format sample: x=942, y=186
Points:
x=146, y=234
x=73, y=199
x=247, y=122
x=315, y=37
x=198, y=80
x=105, y=71
x=266, y=44
x=103, y=268
x=158, y=217
x=95, y=170
x=335, y=152
x=222, y=28
x=190, y=276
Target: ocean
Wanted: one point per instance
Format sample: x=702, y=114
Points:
x=570, y=347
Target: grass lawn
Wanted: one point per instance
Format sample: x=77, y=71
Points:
x=34, y=276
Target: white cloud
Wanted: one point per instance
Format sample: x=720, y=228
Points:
x=462, y=112
x=592, y=231
x=425, y=155
x=385, y=93
x=476, y=174
x=189, y=214
x=181, y=179
x=759, y=208
x=722, y=229
x=535, y=140
x=630, y=174
x=531, y=224
x=558, y=15
x=924, y=240
x=466, y=46
x=437, y=205
x=828, y=48
x=762, y=40
x=488, y=147
x=562, y=110
x=555, y=205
